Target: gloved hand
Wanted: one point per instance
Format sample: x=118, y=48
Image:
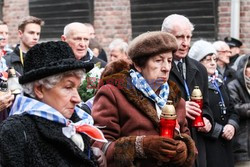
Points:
x=181, y=154
x=160, y=148
x=100, y=157
x=186, y=151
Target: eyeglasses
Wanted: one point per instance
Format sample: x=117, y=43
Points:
x=225, y=51
x=210, y=59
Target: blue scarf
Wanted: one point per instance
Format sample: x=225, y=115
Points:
x=26, y=105
x=142, y=85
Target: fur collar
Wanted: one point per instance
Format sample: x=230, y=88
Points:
x=122, y=80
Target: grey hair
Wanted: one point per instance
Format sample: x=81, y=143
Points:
x=51, y=81
x=119, y=44
x=175, y=19
x=68, y=28
x=218, y=45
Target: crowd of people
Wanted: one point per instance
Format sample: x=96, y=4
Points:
x=48, y=124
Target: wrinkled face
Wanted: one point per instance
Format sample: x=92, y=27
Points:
x=156, y=70
x=224, y=54
x=31, y=35
x=247, y=71
x=183, y=34
x=4, y=32
x=210, y=62
x=78, y=40
x=116, y=54
x=63, y=96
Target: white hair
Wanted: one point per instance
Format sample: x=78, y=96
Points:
x=51, y=81
x=175, y=19
x=119, y=44
x=219, y=45
x=69, y=27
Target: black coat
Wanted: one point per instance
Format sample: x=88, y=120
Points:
x=196, y=75
x=241, y=100
x=228, y=75
x=27, y=140
x=219, y=151
x=94, y=60
x=13, y=60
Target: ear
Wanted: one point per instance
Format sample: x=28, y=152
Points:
x=139, y=69
x=38, y=90
x=20, y=33
x=63, y=38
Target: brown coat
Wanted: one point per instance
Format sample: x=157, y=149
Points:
x=124, y=113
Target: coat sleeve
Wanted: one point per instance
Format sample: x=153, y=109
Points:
x=106, y=115
x=12, y=143
x=241, y=107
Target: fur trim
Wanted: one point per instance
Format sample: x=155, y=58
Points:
x=122, y=80
x=124, y=152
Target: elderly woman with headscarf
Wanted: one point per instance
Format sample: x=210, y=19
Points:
x=239, y=90
x=45, y=127
x=129, y=102
x=219, y=141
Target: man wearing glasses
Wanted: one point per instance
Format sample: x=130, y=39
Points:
x=224, y=54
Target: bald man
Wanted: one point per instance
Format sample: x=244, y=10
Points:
x=77, y=36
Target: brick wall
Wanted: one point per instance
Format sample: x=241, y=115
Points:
x=112, y=20
x=13, y=12
x=224, y=21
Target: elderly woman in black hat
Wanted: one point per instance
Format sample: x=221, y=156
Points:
x=129, y=103
x=45, y=127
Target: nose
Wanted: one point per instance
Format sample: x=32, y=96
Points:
x=185, y=41
x=166, y=66
x=75, y=98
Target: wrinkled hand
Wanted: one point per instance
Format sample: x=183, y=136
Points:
x=160, y=148
x=228, y=132
x=181, y=154
x=192, y=110
x=207, y=127
x=101, y=159
x=6, y=99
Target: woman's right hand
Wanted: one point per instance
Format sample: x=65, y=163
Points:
x=6, y=99
x=160, y=148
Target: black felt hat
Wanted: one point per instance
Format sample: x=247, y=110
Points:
x=232, y=42
x=50, y=58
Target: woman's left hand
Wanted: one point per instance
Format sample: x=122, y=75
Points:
x=101, y=159
x=228, y=132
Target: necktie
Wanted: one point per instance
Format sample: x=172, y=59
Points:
x=180, y=68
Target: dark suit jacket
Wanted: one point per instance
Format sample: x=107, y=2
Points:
x=196, y=75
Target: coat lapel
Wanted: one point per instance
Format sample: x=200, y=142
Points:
x=135, y=97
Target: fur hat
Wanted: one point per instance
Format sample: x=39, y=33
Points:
x=151, y=44
x=200, y=49
x=50, y=58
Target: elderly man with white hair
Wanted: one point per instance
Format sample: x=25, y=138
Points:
x=224, y=54
x=118, y=49
x=77, y=36
x=188, y=73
